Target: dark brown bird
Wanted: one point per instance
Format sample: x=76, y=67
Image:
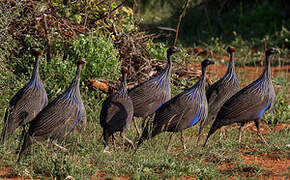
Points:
x=221, y=91
x=148, y=96
x=181, y=112
x=59, y=117
x=26, y=103
x=249, y=104
x=117, y=112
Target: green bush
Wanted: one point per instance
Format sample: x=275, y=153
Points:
x=100, y=54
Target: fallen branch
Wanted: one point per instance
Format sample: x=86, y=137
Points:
x=103, y=86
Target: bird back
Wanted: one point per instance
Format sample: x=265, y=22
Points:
x=25, y=105
x=149, y=95
x=59, y=117
x=182, y=111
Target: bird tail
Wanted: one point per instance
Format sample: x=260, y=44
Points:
x=4, y=131
x=212, y=130
x=144, y=136
x=26, y=143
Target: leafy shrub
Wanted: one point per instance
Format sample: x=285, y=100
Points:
x=100, y=54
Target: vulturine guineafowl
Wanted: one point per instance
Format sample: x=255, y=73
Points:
x=221, y=91
x=81, y=126
x=148, y=96
x=182, y=111
x=26, y=103
x=59, y=117
x=249, y=104
x=117, y=113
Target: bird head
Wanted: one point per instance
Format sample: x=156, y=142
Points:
x=271, y=51
x=124, y=70
x=81, y=61
x=230, y=49
x=207, y=62
x=35, y=52
x=172, y=50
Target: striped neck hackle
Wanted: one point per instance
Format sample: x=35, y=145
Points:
x=76, y=80
x=231, y=66
x=200, y=84
x=267, y=72
x=124, y=87
x=204, y=64
x=37, y=54
x=169, y=60
x=170, y=52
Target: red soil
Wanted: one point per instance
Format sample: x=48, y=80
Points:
x=277, y=166
x=247, y=72
x=271, y=162
x=5, y=172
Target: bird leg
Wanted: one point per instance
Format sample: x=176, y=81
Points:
x=222, y=132
x=106, y=149
x=59, y=146
x=114, y=141
x=122, y=134
x=136, y=126
x=199, y=133
x=182, y=139
x=23, y=134
x=106, y=139
x=240, y=133
x=257, y=123
x=169, y=142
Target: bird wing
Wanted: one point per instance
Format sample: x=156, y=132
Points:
x=116, y=113
x=83, y=121
x=176, y=114
x=213, y=92
x=147, y=99
x=104, y=112
x=24, y=106
x=56, y=116
x=220, y=91
x=218, y=94
x=243, y=105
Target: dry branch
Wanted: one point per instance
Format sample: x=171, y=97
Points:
x=47, y=43
x=182, y=13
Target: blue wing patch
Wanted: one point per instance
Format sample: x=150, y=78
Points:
x=195, y=119
x=78, y=119
x=263, y=110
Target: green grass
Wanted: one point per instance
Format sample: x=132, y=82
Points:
x=86, y=159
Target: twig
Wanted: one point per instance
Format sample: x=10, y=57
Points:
x=44, y=24
x=179, y=20
x=106, y=14
x=159, y=28
x=208, y=20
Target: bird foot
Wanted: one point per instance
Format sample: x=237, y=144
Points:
x=60, y=147
x=106, y=150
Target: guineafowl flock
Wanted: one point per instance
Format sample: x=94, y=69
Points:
x=222, y=103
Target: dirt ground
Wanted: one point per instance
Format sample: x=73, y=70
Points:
x=277, y=167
